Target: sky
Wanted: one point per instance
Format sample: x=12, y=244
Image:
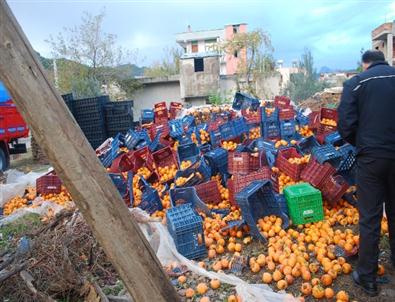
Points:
x=334, y=31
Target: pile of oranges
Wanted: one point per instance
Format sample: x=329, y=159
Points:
x=299, y=160
x=14, y=204
x=305, y=131
x=61, y=199
x=144, y=172
x=185, y=164
x=204, y=136
x=281, y=143
x=229, y=145
x=255, y=133
x=329, y=122
x=167, y=173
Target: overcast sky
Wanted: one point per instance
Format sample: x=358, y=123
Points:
x=335, y=31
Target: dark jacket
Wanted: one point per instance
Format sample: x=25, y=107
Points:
x=367, y=111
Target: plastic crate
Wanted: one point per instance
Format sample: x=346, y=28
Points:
x=304, y=203
x=217, y=160
x=147, y=156
x=164, y=157
x=188, y=121
x=314, y=120
x=209, y=192
x=243, y=101
x=48, y=184
x=239, y=182
x=244, y=162
x=334, y=139
x=252, y=118
x=108, y=157
x=205, y=148
x=322, y=132
x=160, y=112
x=334, y=188
x=348, y=155
x=187, y=152
x=286, y=114
x=282, y=203
x=175, y=109
x=287, y=128
x=256, y=201
x=119, y=108
x=270, y=130
x=305, y=145
x=122, y=185
x=292, y=170
x=198, y=173
x=302, y=119
x=180, y=196
x=282, y=101
x=265, y=117
x=328, y=113
x=159, y=127
x=147, y=115
x=326, y=153
x=316, y=173
x=150, y=200
x=186, y=228
x=239, y=126
x=176, y=129
x=131, y=139
x=215, y=137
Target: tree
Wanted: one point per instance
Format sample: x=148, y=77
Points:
x=255, y=51
x=305, y=83
x=169, y=65
x=359, y=63
x=86, y=56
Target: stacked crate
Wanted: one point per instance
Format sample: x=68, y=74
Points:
x=119, y=117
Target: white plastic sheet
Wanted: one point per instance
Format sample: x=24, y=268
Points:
x=163, y=245
x=16, y=183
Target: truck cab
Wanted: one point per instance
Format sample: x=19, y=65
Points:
x=12, y=128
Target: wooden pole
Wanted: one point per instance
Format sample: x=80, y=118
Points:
x=77, y=165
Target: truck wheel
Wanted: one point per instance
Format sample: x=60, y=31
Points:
x=3, y=160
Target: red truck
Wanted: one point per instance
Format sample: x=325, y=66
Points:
x=12, y=128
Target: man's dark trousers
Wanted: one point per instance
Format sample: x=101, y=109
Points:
x=375, y=186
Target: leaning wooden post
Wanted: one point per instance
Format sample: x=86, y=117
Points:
x=77, y=165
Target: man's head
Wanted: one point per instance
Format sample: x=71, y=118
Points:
x=371, y=56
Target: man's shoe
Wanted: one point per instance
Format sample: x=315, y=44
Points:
x=368, y=287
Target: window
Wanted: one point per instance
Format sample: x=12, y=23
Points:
x=235, y=29
x=199, y=64
x=210, y=44
x=195, y=46
x=236, y=54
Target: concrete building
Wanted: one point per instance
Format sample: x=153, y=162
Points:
x=208, y=41
x=383, y=40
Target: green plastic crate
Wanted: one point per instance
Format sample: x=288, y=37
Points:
x=304, y=203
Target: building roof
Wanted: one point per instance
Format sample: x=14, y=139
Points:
x=196, y=55
x=199, y=35
x=380, y=32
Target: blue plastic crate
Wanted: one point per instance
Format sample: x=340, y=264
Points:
x=273, y=117
x=133, y=138
x=150, y=200
x=215, y=137
x=243, y=101
x=112, y=153
x=123, y=185
x=305, y=145
x=348, y=155
x=302, y=119
x=188, y=121
x=186, y=229
x=327, y=153
x=188, y=195
x=217, y=160
x=185, y=139
x=201, y=167
x=256, y=201
x=270, y=130
x=287, y=129
x=227, y=131
x=239, y=126
x=334, y=139
x=155, y=145
x=205, y=148
x=282, y=203
x=147, y=115
x=176, y=128
x=187, y=152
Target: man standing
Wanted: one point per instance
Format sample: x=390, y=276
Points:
x=367, y=121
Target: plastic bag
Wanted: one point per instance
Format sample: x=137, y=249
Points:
x=163, y=245
x=16, y=184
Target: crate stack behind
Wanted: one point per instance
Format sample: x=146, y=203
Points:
x=89, y=114
x=118, y=117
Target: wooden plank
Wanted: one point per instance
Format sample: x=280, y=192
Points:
x=77, y=165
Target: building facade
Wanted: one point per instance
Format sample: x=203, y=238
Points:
x=383, y=40
x=205, y=42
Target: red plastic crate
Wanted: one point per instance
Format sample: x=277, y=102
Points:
x=282, y=101
x=286, y=114
x=314, y=120
x=328, y=114
x=155, y=128
x=164, y=157
x=323, y=131
x=274, y=180
x=161, y=113
x=209, y=192
x=175, y=108
x=334, y=188
x=214, y=124
x=292, y=170
x=316, y=174
x=48, y=184
x=242, y=163
x=146, y=155
x=239, y=182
